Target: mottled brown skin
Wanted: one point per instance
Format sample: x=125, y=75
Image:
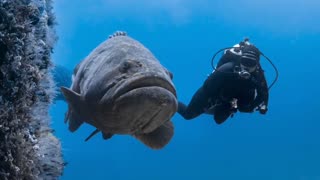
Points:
x=121, y=88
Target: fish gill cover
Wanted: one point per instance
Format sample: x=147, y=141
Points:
x=28, y=149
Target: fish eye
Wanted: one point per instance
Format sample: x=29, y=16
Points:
x=170, y=74
x=125, y=66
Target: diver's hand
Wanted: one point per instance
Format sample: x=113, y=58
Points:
x=263, y=109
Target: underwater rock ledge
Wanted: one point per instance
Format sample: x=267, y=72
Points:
x=28, y=149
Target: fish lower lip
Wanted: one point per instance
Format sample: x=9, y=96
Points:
x=145, y=108
x=139, y=126
x=145, y=126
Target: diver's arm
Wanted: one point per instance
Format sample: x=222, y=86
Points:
x=262, y=92
x=215, y=79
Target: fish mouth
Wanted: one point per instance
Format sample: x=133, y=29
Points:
x=140, y=103
x=143, y=81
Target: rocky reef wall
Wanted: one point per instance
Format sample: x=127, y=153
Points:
x=28, y=149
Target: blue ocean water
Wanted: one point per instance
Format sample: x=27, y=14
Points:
x=183, y=35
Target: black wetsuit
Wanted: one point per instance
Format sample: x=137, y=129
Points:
x=225, y=83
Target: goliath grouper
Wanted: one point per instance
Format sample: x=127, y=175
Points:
x=121, y=88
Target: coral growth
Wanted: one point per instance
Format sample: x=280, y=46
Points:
x=62, y=77
x=28, y=150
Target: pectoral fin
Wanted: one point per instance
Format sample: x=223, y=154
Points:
x=92, y=134
x=77, y=111
x=104, y=135
x=74, y=119
x=73, y=99
x=159, y=137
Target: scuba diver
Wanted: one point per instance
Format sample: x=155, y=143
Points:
x=236, y=84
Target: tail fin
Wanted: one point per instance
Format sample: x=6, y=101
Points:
x=159, y=137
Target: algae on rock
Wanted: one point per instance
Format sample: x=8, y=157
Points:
x=28, y=149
